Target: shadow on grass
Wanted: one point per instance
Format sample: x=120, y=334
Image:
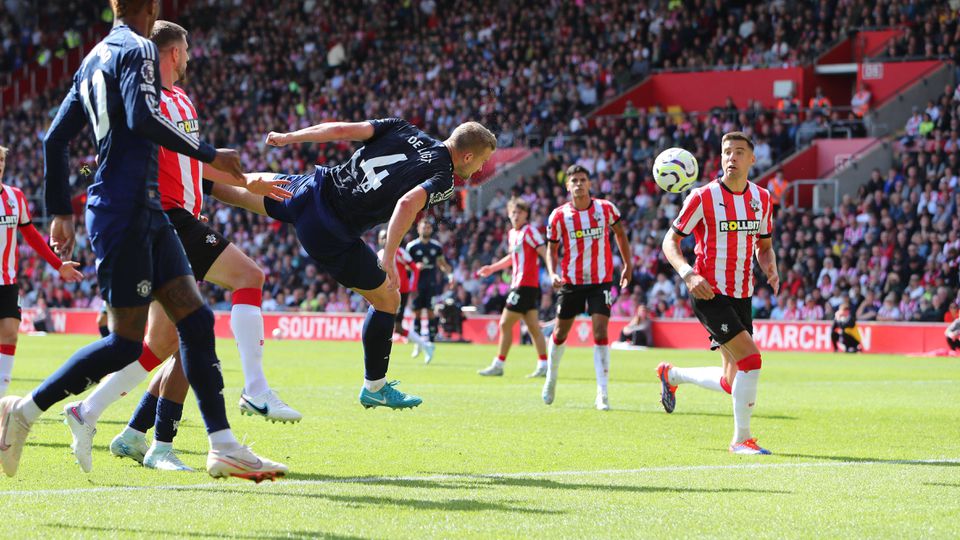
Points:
x=730, y=415
x=267, y=535
x=452, y=505
x=103, y=449
x=614, y=409
x=468, y=481
x=851, y=459
x=941, y=484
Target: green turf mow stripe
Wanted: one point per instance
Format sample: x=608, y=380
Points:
x=451, y=477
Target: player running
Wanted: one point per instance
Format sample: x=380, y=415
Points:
x=583, y=227
x=427, y=254
x=117, y=91
x=731, y=219
x=212, y=258
x=16, y=216
x=406, y=275
x=525, y=245
x=399, y=171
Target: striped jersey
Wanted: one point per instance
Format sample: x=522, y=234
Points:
x=180, y=175
x=585, y=237
x=15, y=213
x=726, y=226
x=523, y=244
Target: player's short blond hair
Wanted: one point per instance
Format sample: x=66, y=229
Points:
x=473, y=137
x=3, y=151
x=517, y=202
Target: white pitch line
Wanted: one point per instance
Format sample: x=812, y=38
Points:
x=489, y=476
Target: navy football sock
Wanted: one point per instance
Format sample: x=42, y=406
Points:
x=168, y=420
x=421, y=324
x=377, y=334
x=202, y=368
x=143, y=416
x=434, y=327
x=86, y=367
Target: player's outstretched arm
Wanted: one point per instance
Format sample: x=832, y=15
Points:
x=239, y=197
x=696, y=284
x=262, y=184
x=321, y=133
x=623, y=244
x=402, y=219
x=486, y=270
x=767, y=258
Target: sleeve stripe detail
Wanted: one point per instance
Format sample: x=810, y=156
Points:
x=172, y=127
x=678, y=231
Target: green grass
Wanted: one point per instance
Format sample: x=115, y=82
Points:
x=855, y=439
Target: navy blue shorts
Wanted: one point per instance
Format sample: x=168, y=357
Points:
x=326, y=239
x=136, y=256
x=424, y=297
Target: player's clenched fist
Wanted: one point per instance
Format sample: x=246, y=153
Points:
x=699, y=287
x=277, y=139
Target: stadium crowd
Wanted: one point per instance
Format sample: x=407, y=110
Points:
x=533, y=74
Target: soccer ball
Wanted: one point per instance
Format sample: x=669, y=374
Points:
x=675, y=170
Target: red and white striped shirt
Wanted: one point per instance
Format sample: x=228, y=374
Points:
x=585, y=236
x=180, y=175
x=523, y=245
x=15, y=213
x=726, y=226
x=404, y=262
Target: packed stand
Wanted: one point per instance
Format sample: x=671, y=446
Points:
x=31, y=33
x=528, y=79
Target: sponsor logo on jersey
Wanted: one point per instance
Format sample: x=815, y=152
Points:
x=740, y=225
x=8, y=221
x=189, y=126
x=589, y=232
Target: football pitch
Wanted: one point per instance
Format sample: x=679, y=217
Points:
x=865, y=446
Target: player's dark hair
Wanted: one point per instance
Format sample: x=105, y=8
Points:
x=738, y=136
x=517, y=202
x=574, y=169
x=127, y=7
x=166, y=33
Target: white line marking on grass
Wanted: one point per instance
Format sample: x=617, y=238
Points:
x=488, y=476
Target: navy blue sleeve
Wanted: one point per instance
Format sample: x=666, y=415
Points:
x=384, y=125
x=68, y=123
x=439, y=188
x=140, y=89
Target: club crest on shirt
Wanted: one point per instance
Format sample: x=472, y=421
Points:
x=754, y=205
